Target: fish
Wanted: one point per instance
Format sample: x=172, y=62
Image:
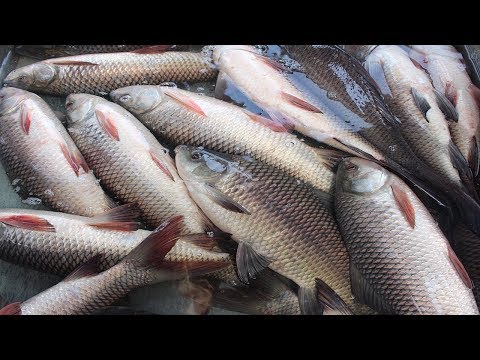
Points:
x=341, y=107
x=445, y=66
x=85, y=290
x=360, y=52
x=400, y=261
x=182, y=117
x=424, y=113
x=101, y=73
x=42, y=160
x=57, y=243
x=471, y=57
x=131, y=163
x=277, y=222
x=42, y=52
x=467, y=246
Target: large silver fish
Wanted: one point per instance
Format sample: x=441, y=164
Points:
x=42, y=159
x=277, y=221
x=400, y=261
x=130, y=162
x=182, y=117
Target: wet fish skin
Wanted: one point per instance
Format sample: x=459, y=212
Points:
x=84, y=292
x=360, y=52
x=224, y=127
x=284, y=221
x=42, y=52
x=471, y=56
x=101, y=73
x=425, y=129
x=77, y=239
x=130, y=161
x=408, y=266
x=449, y=76
x=37, y=149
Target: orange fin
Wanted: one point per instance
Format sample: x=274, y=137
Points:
x=120, y=218
x=268, y=123
x=29, y=222
x=89, y=268
x=457, y=264
x=404, y=204
x=156, y=49
x=80, y=161
x=70, y=159
x=11, y=309
x=74, y=63
x=302, y=104
x=185, y=101
x=107, y=124
x=26, y=119
x=160, y=164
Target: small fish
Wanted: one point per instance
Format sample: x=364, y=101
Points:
x=85, y=291
x=42, y=159
x=400, y=261
x=278, y=223
x=131, y=163
x=182, y=117
x=101, y=73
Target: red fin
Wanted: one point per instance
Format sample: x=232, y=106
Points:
x=12, y=309
x=26, y=119
x=457, y=264
x=286, y=122
x=203, y=241
x=185, y=101
x=80, y=161
x=151, y=251
x=275, y=65
x=120, y=218
x=200, y=292
x=29, y=222
x=302, y=104
x=73, y=62
x=70, y=159
x=157, y=49
x=89, y=268
x=107, y=124
x=404, y=204
x=160, y=164
x=271, y=124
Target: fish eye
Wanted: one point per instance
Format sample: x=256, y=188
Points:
x=22, y=78
x=125, y=98
x=196, y=155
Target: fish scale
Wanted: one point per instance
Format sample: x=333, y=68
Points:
x=408, y=269
x=302, y=238
x=107, y=72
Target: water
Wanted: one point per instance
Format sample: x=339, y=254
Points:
x=18, y=283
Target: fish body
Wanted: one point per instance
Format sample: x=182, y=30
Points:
x=412, y=98
x=182, y=117
x=446, y=68
x=471, y=56
x=401, y=263
x=101, y=73
x=42, y=159
x=130, y=161
x=277, y=221
x=58, y=243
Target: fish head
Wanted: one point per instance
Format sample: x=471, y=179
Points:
x=11, y=98
x=198, y=165
x=138, y=99
x=80, y=107
x=34, y=76
x=361, y=176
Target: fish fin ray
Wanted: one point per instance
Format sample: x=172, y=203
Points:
x=12, y=309
x=249, y=262
x=29, y=222
x=446, y=106
x=185, y=101
x=404, y=204
x=421, y=102
x=474, y=156
x=332, y=303
x=268, y=123
x=161, y=165
x=375, y=69
x=89, y=268
x=72, y=63
x=120, y=218
x=302, y=104
x=223, y=200
x=457, y=264
x=107, y=124
x=308, y=302
x=155, y=49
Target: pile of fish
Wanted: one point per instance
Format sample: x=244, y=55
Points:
x=320, y=179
